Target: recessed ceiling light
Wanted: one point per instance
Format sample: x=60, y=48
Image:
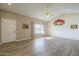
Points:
x=9, y=3
x=68, y=9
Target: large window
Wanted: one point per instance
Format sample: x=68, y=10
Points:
x=38, y=29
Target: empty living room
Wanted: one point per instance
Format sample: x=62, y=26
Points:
x=39, y=29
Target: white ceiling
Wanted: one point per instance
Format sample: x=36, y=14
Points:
x=37, y=10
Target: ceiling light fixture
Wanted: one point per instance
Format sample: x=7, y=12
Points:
x=47, y=13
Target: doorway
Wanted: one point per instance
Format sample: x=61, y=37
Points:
x=8, y=30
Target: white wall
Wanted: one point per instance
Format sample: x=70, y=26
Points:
x=65, y=30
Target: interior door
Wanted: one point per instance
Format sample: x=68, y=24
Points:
x=8, y=30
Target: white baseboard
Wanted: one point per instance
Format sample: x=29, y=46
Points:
x=19, y=40
x=23, y=39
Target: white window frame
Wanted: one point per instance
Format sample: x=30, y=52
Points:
x=39, y=29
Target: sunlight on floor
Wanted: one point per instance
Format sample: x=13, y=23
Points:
x=45, y=38
x=48, y=38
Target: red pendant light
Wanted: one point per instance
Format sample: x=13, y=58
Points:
x=59, y=22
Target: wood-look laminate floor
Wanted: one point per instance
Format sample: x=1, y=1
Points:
x=41, y=47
